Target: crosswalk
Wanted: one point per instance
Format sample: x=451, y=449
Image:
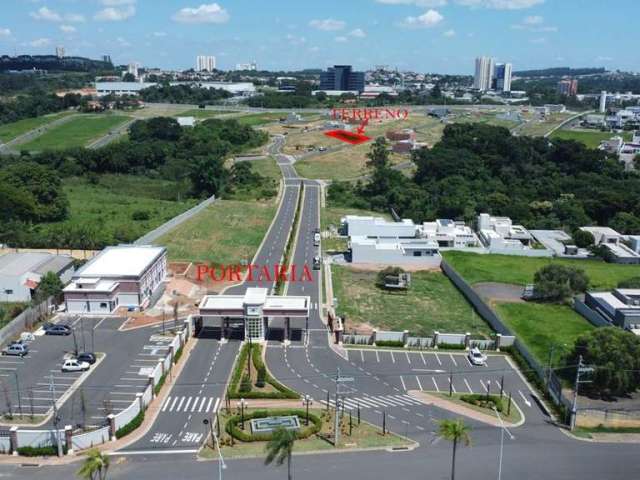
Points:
x=383, y=401
x=190, y=404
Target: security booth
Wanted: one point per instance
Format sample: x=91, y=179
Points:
x=254, y=312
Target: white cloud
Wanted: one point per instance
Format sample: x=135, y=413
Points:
x=534, y=23
x=117, y=3
x=295, y=40
x=538, y=40
x=500, y=4
x=47, y=15
x=450, y=33
x=314, y=49
x=533, y=20
x=205, y=13
x=39, y=42
x=113, y=14
x=428, y=19
x=603, y=59
x=67, y=28
x=341, y=39
x=328, y=24
x=357, y=33
x=5, y=32
x=159, y=34
x=122, y=42
x=417, y=3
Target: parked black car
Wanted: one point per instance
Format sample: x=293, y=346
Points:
x=90, y=358
x=47, y=326
x=58, y=330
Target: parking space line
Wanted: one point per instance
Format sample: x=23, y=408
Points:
x=408, y=359
x=435, y=384
x=362, y=355
x=403, y=385
x=423, y=359
x=438, y=358
x=453, y=359
x=419, y=384
x=468, y=386
x=393, y=359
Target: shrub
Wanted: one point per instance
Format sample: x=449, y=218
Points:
x=390, y=343
x=556, y=282
x=483, y=401
x=178, y=354
x=386, y=275
x=140, y=215
x=633, y=282
x=44, y=451
x=131, y=426
x=262, y=376
x=232, y=428
x=583, y=239
x=160, y=383
x=245, y=384
x=452, y=346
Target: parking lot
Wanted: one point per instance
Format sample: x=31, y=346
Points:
x=82, y=399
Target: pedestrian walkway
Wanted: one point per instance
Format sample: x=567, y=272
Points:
x=382, y=401
x=189, y=404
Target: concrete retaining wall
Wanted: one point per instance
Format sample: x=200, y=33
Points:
x=594, y=317
x=90, y=439
x=25, y=321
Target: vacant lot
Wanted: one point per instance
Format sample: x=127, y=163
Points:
x=539, y=128
x=203, y=113
x=477, y=268
x=9, y=131
x=541, y=325
x=490, y=118
x=432, y=303
x=269, y=169
x=226, y=232
x=255, y=119
x=591, y=138
x=77, y=132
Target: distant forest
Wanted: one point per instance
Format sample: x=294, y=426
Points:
x=53, y=63
x=559, y=72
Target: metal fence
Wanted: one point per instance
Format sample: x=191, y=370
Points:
x=153, y=235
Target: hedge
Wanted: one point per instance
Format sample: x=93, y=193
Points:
x=46, y=451
x=160, y=383
x=232, y=428
x=131, y=426
x=237, y=379
x=452, y=346
x=389, y=343
x=483, y=401
x=178, y=354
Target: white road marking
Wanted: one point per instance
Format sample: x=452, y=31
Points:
x=438, y=359
x=524, y=398
x=435, y=384
x=408, y=359
x=468, y=386
x=423, y=359
x=403, y=385
x=419, y=384
x=393, y=359
x=453, y=359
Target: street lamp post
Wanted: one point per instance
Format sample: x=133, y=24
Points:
x=502, y=430
x=18, y=390
x=241, y=405
x=306, y=401
x=221, y=464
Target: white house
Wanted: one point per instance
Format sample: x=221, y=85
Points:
x=603, y=235
x=129, y=276
x=395, y=251
x=449, y=233
x=20, y=273
x=360, y=226
x=490, y=229
x=186, y=121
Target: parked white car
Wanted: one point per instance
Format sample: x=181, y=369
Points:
x=476, y=357
x=73, y=365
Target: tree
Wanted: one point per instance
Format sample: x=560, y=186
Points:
x=625, y=223
x=378, y=155
x=95, y=466
x=129, y=77
x=615, y=355
x=555, y=282
x=50, y=286
x=384, y=274
x=456, y=432
x=280, y=448
x=583, y=239
x=633, y=282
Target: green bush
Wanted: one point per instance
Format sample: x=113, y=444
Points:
x=178, y=354
x=233, y=429
x=140, y=215
x=131, y=426
x=160, y=383
x=262, y=376
x=483, y=401
x=245, y=384
x=390, y=343
x=45, y=451
x=452, y=346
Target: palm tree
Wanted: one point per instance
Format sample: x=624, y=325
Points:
x=280, y=447
x=455, y=431
x=95, y=466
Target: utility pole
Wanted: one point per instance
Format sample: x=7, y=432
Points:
x=582, y=368
x=56, y=420
x=336, y=423
x=19, y=394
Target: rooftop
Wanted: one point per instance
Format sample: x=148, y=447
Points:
x=17, y=264
x=121, y=261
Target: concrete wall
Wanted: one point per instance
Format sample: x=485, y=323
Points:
x=90, y=439
x=594, y=317
x=25, y=321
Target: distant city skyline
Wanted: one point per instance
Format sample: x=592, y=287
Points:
x=437, y=36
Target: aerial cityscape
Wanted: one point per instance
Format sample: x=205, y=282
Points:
x=369, y=239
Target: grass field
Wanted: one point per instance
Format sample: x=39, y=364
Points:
x=9, y=310
x=226, y=232
x=536, y=128
x=108, y=206
x=591, y=138
x=487, y=118
x=77, y=132
x=432, y=303
x=9, y=131
x=541, y=325
x=256, y=119
x=203, y=114
x=477, y=268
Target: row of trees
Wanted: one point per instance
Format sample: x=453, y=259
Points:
x=481, y=168
x=34, y=105
x=166, y=93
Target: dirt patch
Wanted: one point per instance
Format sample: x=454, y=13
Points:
x=376, y=267
x=499, y=292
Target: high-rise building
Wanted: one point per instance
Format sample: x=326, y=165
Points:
x=342, y=77
x=132, y=68
x=60, y=52
x=568, y=87
x=205, y=63
x=247, y=66
x=603, y=101
x=484, y=73
x=106, y=58
x=502, y=75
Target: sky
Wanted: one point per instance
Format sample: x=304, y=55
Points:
x=442, y=36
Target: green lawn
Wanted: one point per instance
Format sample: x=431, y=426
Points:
x=224, y=233
x=269, y=169
x=9, y=310
x=108, y=206
x=202, y=114
x=9, y=131
x=591, y=138
x=256, y=119
x=77, y=132
x=477, y=268
x=432, y=303
x=539, y=325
